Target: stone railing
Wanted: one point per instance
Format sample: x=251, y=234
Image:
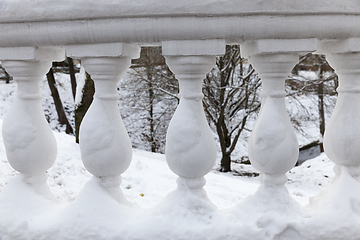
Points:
x=106, y=36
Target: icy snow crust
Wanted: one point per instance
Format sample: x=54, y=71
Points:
x=45, y=10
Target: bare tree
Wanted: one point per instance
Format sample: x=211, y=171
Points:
x=313, y=77
x=231, y=92
x=151, y=92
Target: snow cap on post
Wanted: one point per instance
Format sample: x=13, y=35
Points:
x=213, y=47
x=268, y=46
x=32, y=53
x=340, y=46
x=103, y=50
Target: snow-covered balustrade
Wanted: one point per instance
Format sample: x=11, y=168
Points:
x=106, y=35
x=105, y=145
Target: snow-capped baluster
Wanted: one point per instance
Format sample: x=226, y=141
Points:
x=339, y=202
x=105, y=145
x=190, y=146
x=341, y=142
x=30, y=144
x=273, y=146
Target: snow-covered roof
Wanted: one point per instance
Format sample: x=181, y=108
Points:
x=45, y=10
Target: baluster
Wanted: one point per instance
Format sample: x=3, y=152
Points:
x=190, y=146
x=30, y=144
x=105, y=146
x=341, y=142
x=273, y=146
x=340, y=201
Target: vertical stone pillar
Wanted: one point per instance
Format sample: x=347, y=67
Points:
x=104, y=143
x=190, y=146
x=273, y=146
x=30, y=144
x=341, y=142
x=337, y=206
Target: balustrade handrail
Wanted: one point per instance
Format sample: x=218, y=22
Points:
x=54, y=23
x=106, y=35
x=52, y=10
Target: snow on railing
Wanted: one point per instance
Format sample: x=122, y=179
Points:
x=106, y=36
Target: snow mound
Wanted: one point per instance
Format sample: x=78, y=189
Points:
x=75, y=205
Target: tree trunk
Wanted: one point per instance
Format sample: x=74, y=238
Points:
x=151, y=110
x=72, y=76
x=58, y=104
x=321, y=107
x=225, y=162
x=8, y=77
x=321, y=113
x=87, y=97
x=152, y=129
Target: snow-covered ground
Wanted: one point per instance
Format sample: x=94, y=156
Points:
x=244, y=211
x=146, y=185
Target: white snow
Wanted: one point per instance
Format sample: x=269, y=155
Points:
x=145, y=184
x=74, y=205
